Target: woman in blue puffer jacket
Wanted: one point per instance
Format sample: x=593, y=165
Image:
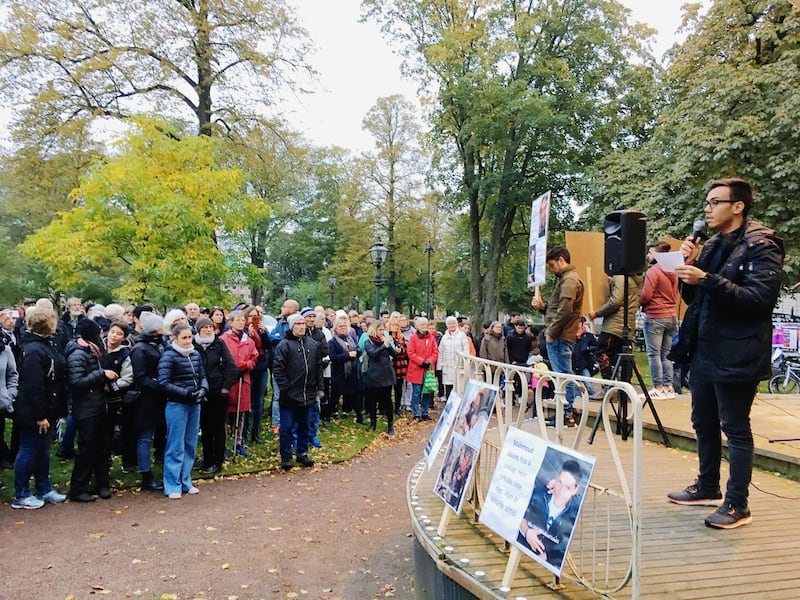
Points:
x=181, y=373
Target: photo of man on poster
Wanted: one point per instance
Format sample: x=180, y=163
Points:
x=549, y=520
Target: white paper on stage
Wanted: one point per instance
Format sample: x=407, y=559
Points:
x=443, y=426
x=531, y=477
x=669, y=260
x=471, y=422
x=537, y=242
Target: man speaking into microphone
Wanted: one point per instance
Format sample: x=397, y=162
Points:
x=731, y=288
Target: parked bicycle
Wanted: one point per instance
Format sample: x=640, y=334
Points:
x=787, y=378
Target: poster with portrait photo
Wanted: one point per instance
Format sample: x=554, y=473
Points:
x=475, y=411
x=443, y=427
x=456, y=472
x=535, y=496
x=537, y=241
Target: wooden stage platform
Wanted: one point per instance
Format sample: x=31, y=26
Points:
x=680, y=558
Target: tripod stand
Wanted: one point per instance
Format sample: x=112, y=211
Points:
x=624, y=367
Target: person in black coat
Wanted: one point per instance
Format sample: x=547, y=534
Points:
x=40, y=403
x=297, y=368
x=379, y=375
x=222, y=373
x=343, y=352
x=147, y=405
x=87, y=380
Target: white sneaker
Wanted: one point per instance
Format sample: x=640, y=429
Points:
x=655, y=394
x=29, y=503
x=174, y=496
x=669, y=393
x=53, y=497
x=193, y=490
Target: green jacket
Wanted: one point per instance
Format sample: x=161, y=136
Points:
x=611, y=310
x=563, y=312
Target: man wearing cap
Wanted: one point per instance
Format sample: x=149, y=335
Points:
x=289, y=308
x=297, y=369
x=318, y=335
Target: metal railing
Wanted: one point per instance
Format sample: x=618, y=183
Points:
x=605, y=550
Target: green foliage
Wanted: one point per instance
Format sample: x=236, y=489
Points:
x=730, y=105
x=527, y=96
x=220, y=59
x=149, y=213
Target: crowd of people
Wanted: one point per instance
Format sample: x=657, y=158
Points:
x=115, y=380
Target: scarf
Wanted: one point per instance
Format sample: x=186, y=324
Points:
x=181, y=350
x=93, y=348
x=376, y=340
x=204, y=342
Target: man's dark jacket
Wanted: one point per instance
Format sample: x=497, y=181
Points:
x=730, y=313
x=297, y=369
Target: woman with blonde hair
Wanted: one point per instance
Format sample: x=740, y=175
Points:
x=400, y=360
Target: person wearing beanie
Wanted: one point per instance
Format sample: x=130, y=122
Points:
x=297, y=369
x=145, y=409
x=88, y=380
x=317, y=334
x=288, y=308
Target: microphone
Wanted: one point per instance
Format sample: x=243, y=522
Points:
x=697, y=230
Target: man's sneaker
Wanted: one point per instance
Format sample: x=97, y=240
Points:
x=728, y=516
x=53, y=497
x=241, y=451
x=304, y=461
x=29, y=503
x=569, y=421
x=669, y=393
x=655, y=394
x=693, y=495
x=287, y=464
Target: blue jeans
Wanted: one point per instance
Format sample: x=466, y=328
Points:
x=183, y=423
x=258, y=389
x=313, y=419
x=725, y=407
x=560, y=354
x=658, y=337
x=589, y=387
x=143, y=445
x=33, y=458
x=293, y=418
x=417, y=398
x=276, y=408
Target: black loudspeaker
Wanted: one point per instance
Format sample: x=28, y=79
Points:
x=626, y=234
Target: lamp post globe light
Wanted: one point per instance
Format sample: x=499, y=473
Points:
x=331, y=287
x=377, y=254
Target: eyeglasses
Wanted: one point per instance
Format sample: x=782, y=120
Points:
x=713, y=202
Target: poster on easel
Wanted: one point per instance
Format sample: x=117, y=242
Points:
x=537, y=241
x=535, y=496
x=443, y=427
x=471, y=422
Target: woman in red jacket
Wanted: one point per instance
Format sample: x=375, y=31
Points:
x=423, y=352
x=245, y=355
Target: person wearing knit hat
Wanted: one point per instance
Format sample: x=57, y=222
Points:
x=202, y=322
x=307, y=311
x=87, y=379
x=151, y=323
x=297, y=369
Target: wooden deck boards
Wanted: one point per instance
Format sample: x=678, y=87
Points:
x=680, y=558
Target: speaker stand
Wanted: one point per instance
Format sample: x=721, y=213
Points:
x=624, y=367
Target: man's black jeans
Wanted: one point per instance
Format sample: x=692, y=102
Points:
x=724, y=407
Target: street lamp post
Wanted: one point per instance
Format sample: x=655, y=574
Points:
x=428, y=250
x=377, y=254
x=356, y=302
x=331, y=287
x=286, y=290
x=308, y=300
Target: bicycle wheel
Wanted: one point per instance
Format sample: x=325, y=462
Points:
x=780, y=384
